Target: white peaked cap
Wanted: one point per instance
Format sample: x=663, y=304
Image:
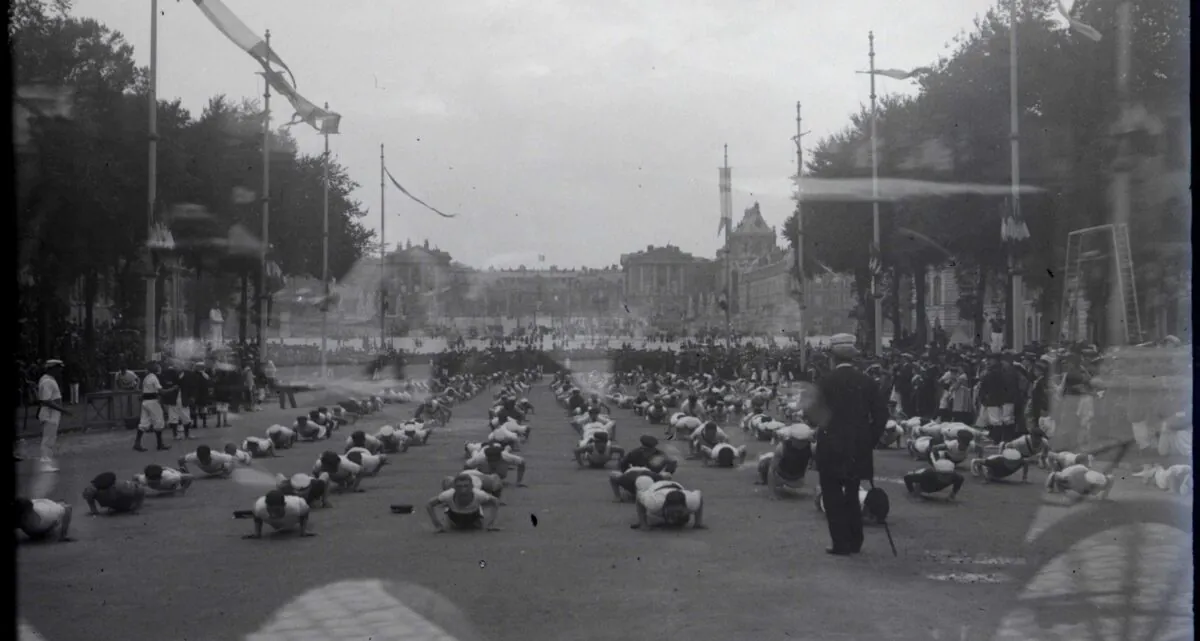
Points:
x=643, y=483
x=943, y=465
x=1095, y=478
x=1011, y=454
x=387, y=430
x=300, y=481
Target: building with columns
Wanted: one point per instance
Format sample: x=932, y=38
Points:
x=417, y=279
x=662, y=284
x=545, y=296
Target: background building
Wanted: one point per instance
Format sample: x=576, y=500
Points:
x=662, y=285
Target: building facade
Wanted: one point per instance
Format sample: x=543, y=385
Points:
x=662, y=285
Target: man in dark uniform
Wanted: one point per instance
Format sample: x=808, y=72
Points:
x=852, y=415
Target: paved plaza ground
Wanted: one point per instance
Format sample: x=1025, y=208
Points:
x=568, y=567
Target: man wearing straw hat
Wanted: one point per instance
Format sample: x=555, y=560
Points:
x=852, y=415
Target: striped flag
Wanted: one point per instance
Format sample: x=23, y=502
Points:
x=1085, y=30
x=900, y=74
x=241, y=35
x=876, y=263
x=324, y=121
x=726, y=224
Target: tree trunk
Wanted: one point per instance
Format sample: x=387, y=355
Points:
x=921, y=331
x=90, y=283
x=980, y=293
x=44, y=329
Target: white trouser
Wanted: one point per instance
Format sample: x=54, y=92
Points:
x=152, y=417
x=49, y=438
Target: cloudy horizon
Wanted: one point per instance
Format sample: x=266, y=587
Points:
x=578, y=131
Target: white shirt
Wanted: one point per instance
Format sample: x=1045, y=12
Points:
x=596, y=426
x=719, y=435
x=369, y=442
x=478, y=498
x=476, y=479
x=370, y=462
x=480, y=458
x=48, y=391
x=264, y=444
x=150, y=384
x=45, y=516
x=242, y=456
x=653, y=498
x=503, y=435
x=283, y=431
x=218, y=463
x=294, y=508
x=347, y=470
x=716, y=450
x=169, y=482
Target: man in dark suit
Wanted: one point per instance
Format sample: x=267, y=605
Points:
x=852, y=416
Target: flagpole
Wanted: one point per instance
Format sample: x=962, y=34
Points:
x=875, y=205
x=152, y=186
x=1117, y=315
x=799, y=241
x=728, y=265
x=325, y=254
x=1016, y=316
x=266, y=210
x=382, y=257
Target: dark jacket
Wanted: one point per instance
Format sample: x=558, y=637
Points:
x=993, y=389
x=857, y=417
x=193, y=387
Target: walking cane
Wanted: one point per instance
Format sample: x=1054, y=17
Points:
x=886, y=529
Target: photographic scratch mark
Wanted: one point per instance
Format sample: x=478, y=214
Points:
x=533, y=519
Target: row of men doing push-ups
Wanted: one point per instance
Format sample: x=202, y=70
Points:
x=792, y=456
x=285, y=507
x=470, y=499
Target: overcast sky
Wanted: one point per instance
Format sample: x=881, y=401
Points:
x=577, y=129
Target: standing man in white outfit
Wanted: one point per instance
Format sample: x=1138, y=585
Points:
x=152, y=411
x=50, y=412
